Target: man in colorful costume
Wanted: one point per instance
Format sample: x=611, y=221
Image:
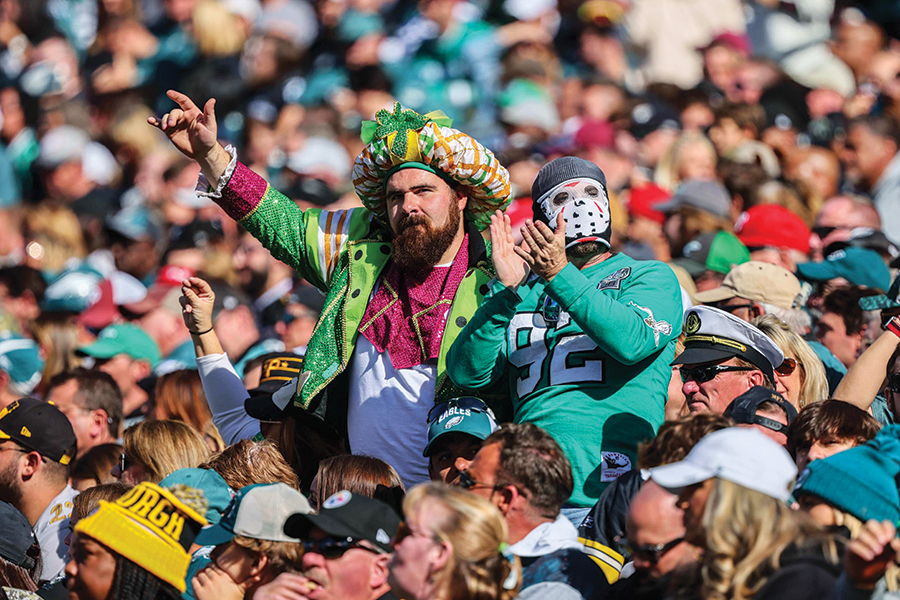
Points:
x=402, y=276
x=581, y=337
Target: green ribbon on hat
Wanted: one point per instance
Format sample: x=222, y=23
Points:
x=398, y=124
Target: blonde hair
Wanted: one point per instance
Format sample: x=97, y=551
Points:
x=813, y=382
x=217, y=31
x=163, y=447
x=746, y=532
x=668, y=172
x=247, y=462
x=476, y=531
x=283, y=556
x=58, y=338
x=854, y=527
x=58, y=232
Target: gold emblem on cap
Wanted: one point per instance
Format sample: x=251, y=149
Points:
x=692, y=323
x=25, y=431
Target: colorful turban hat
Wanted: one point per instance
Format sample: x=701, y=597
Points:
x=404, y=138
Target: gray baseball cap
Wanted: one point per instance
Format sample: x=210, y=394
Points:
x=709, y=196
x=259, y=512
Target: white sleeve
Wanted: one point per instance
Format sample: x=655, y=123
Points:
x=225, y=393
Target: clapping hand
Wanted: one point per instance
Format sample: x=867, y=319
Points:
x=544, y=249
x=511, y=269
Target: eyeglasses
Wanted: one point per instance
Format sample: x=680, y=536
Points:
x=651, y=553
x=788, y=366
x=335, y=548
x=730, y=308
x=894, y=382
x=709, y=372
x=467, y=482
x=124, y=462
x=466, y=403
x=404, y=531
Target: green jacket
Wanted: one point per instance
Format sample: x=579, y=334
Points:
x=343, y=254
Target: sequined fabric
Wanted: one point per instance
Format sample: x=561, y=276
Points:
x=243, y=193
x=406, y=315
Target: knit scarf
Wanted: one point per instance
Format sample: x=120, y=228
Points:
x=406, y=315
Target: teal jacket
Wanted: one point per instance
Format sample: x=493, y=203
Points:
x=343, y=254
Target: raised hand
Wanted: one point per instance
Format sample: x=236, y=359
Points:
x=197, y=305
x=868, y=556
x=191, y=130
x=545, y=249
x=511, y=270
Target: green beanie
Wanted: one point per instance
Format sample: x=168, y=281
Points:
x=860, y=481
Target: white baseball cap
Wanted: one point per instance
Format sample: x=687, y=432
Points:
x=741, y=455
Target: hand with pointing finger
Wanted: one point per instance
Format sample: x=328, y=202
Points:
x=546, y=249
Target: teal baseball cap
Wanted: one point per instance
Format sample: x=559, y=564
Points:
x=883, y=301
x=259, y=512
x=213, y=486
x=123, y=339
x=21, y=359
x=859, y=266
x=459, y=415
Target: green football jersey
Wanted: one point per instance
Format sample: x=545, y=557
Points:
x=586, y=358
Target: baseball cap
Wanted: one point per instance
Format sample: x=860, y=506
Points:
x=643, y=199
x=160, y=543
x=215, y=489
x=168, y=278
x=741, y=455
x=278, y=370
x=714, y=251
x=708, y=196
x=859, y=266
x=651, y=116
x=772, y=226
x=61, y=145
x=757, y=281
x=347, y=515
x=39, y=426
x=21, y=359
x=883, y=301
x=17, y=537
x=743, y=408
x=736, y=41
x=135, y=223
x=259, y=512
x=123, y=339
x=714, y=335
x=866, y=237
x=595, y=133
x=73, y=291
x=460, y=415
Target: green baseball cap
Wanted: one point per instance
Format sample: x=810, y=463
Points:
x=859, y=266
x=123, y=339
x=459, y=415
x=214, y=487
x=718, y=251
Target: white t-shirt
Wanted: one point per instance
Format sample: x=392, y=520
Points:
x=388, y=411
x=51, y=530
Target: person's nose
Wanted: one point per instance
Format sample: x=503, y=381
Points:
x=411, y=204
x=690, y=387
x=815, y=453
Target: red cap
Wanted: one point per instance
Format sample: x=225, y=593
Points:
x=644, y=198
x=104, y=311
x=736, y=41
x=170, y=276
x=772, y=226
x=595, y=134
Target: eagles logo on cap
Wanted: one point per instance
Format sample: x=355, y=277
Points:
x=692, y=323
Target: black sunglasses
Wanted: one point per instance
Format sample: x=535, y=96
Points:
x=333, y=547
x=467, y=482
x=894, y=382
x=651, y=553
x=730, y=308
x=466, y=403
x=709, y=372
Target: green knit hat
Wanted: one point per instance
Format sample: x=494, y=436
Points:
x=861, y=481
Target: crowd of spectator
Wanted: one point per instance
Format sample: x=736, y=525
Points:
x=449, y=299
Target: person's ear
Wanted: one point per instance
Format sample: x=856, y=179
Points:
x=443, y=552
x=755, y=310
x=99, y=422
x=756, y=378
x=508, y=496
x=280, y=328
x=140, y=369
x=378, y=575
x=258, y=570
x=31, y=465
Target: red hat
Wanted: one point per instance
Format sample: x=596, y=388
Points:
x=739, y=42
x=595, y=134
x=644, y=198
x=168, y=278
x=772, y=226
x=104, y=311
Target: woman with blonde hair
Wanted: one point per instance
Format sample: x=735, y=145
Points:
x=734, y=486
x=452, y=546
x=154, y=449
x=801, y=377
x=692, y=156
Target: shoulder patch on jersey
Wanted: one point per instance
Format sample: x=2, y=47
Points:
x=658, y=327
x=614, y=281
x=614, y=465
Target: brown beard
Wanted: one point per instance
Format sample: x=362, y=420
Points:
x=418, y=245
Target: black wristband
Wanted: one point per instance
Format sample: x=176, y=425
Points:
x=201, y=332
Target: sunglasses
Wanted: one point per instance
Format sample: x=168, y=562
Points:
x=709, y=372
x=124, y=462
x=730, y=308
x=467, y=482
x=894, y=382
x=466, y=403
x=331, y=548
x=651, y=553
x=788, y=366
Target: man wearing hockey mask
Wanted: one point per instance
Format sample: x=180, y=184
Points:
x=582, y=336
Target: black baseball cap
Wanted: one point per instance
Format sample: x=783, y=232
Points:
x=39, y=426
x=743, y=408
x=17, y=536
x=347, y=515
x=278, y=370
